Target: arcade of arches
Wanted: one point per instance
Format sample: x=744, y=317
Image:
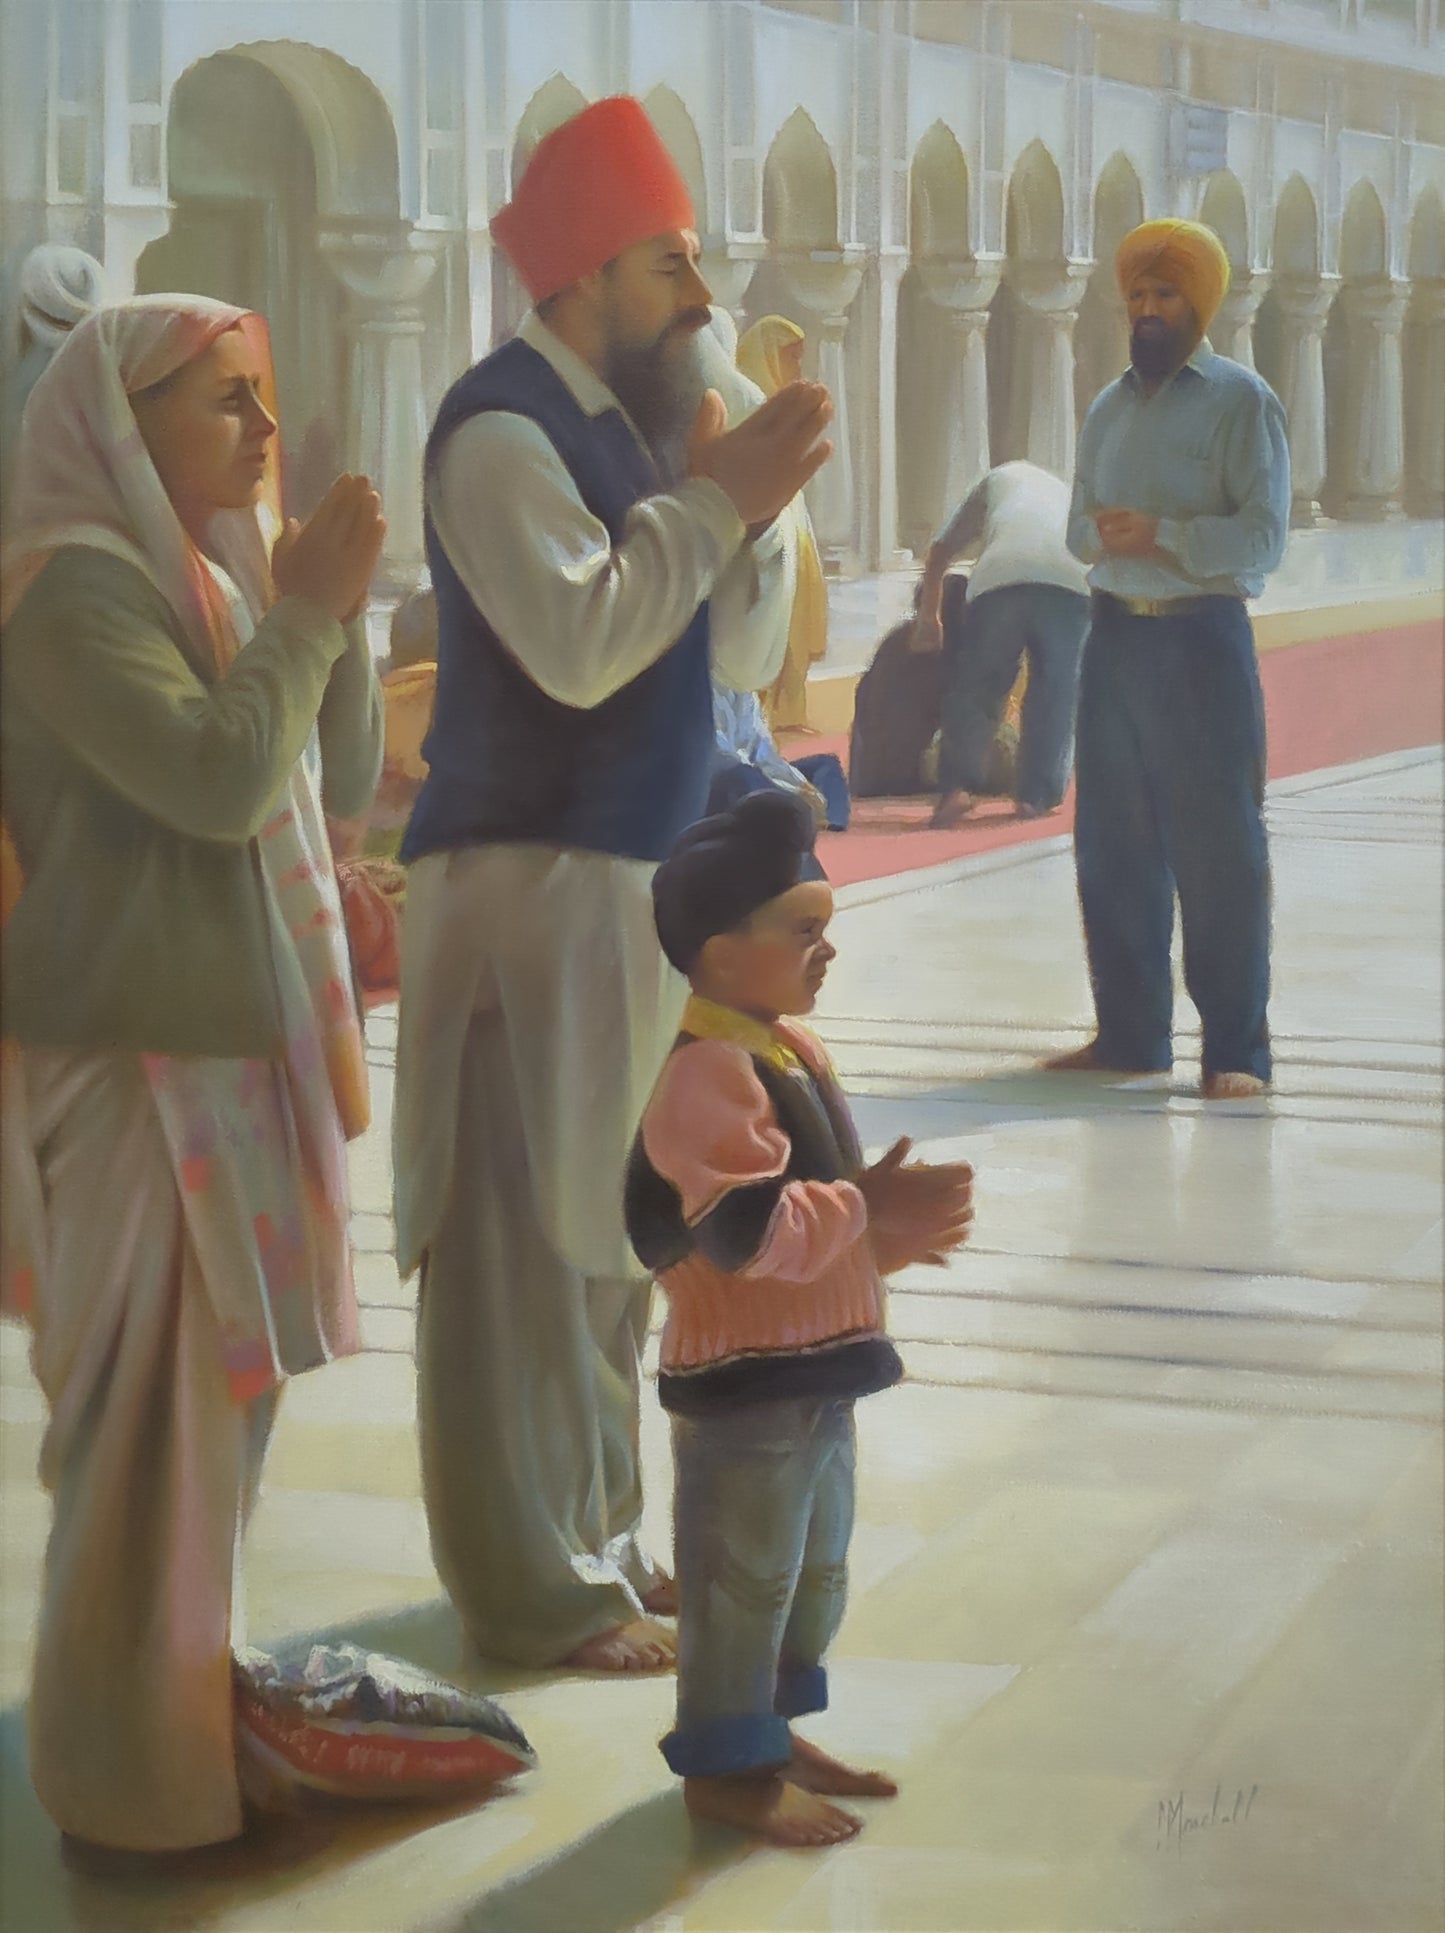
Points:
x=943, y=358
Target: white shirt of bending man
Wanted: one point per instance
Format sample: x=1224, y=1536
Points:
x=563, y=940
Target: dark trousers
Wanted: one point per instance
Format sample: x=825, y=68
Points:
x=1170, y=796
x=734, y=778
x=1046, y=624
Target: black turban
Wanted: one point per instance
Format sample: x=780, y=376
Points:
x=723, y=869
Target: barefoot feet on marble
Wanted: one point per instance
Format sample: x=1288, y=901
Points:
x=817, y=1771
x=641, y=1645
x=770, y=1807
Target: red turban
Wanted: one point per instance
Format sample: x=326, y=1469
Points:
x=594, y=186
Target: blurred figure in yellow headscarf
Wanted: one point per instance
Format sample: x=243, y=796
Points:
x=771, y=355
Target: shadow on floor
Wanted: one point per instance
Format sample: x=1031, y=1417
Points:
x=620, y=1876
x=427, y=1635
x=994, y=1100
x=40, y=1893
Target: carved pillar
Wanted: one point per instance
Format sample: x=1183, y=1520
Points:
x=384, y=273
x=1373, y=472
x=826, y=289
x=1304, y=304
x=1232, y=331
x=727, y=270
x=1425, y=420
x=1041, y=399
x=963, y=291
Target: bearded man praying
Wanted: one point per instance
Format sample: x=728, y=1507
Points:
x=600, y=545
x=1180, y=508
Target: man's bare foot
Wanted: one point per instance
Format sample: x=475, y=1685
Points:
x=1085, y=1060
x=638, y=1646
x=661, y=1600
x=772, y=1808
x=1232, y=1087
x=816, y=1771
x=952, y=809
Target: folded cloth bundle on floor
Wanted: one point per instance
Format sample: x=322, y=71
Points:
x=352, y=1724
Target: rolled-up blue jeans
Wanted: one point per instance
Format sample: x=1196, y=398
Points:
x=763, y=1514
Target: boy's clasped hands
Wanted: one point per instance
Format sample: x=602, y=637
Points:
x=917, y=1211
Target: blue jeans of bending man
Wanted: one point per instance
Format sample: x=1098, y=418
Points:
x=763, y=1514
x=1170, y=800
x=1046, y=624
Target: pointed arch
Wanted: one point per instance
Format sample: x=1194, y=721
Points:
x=938, y=206
x=800, y=187
x=1035, y=219
x=1296, y=248
x=1428, y=236
x=680, y=137
x=554, y=102
x=1364, y=235
x=1223, y=209
x=1118, y=206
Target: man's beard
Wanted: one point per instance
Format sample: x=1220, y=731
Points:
x=661, y=386
x=1156, y=350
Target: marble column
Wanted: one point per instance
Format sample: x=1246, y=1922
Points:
x=1041, y=399
x=1101, y=340
x=1373, y=473
x=384, y=272
x=1232, y=331
x=963, y=291
x=728, y=270
x=826, y=290
x=1425, y=413
x=1304, y=303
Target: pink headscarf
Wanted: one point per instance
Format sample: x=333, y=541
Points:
x=84, y=476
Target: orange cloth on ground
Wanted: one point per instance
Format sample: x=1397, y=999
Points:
x=1185, y=254
x=598, y=184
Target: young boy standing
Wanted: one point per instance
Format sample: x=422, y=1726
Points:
x=748, y=1197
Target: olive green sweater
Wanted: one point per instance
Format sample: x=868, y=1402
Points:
x=135, y=783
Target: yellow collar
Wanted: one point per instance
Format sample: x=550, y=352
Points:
x=707, y=1020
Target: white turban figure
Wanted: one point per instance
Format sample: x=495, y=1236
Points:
x=59, y=287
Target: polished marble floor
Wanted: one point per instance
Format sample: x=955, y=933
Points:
x=1146, y=1608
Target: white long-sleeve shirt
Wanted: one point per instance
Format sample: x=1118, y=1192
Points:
x=582, y=618
x=563, y=942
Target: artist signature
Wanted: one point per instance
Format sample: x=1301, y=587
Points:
x=1175, y=1822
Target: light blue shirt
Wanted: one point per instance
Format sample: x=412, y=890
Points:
x=1207, y=455
x=742, y=732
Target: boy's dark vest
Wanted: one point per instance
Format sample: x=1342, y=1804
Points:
x=822, y=1147
x=507, y=762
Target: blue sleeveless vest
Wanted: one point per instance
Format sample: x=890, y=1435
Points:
x=507, y=762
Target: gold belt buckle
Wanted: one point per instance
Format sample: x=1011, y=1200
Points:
x=1148, y=606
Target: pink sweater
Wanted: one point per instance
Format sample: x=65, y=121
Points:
x=711, y=1128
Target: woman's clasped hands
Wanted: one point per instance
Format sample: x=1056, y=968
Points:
x=331, y=557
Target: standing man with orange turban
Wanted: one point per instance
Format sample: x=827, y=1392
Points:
x=599, y=544
x=1180, y=508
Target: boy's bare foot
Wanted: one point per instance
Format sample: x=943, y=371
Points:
x=772, y=1808
x=661, y=1600
x=638, y=1646
x=816, y=1771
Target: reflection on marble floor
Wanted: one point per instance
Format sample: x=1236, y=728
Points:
x=1146, y=1608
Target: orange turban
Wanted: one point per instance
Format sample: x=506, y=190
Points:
x=594, y=186
x=1185, y=254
